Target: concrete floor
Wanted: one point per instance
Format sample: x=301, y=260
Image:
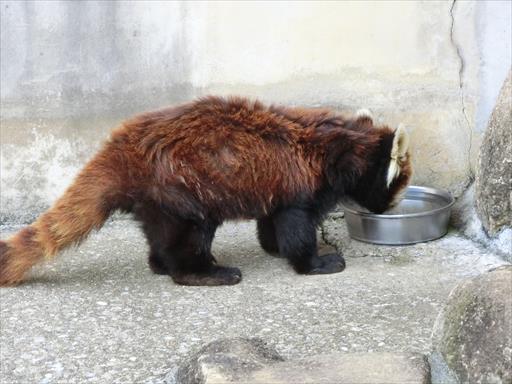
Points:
x=98, y=315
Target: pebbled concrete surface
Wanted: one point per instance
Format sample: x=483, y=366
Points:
x=98, y=315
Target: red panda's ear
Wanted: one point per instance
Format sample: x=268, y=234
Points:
x=400, y=142
x=398, y=151
x=364, y=116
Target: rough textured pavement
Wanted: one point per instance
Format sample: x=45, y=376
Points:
x=98, y=315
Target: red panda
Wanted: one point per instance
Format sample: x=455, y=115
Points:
x=182, y=171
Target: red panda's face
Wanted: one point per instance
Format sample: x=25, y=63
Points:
x=388, y=174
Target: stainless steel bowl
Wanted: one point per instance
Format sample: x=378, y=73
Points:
x=422, y=215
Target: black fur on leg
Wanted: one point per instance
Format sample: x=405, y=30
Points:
x=296, y=236
x=162, y=230
x=192, y=253
x=156, y=264
x=193, y=263
x=330, y=263
x=267, y=235
x=181, y=248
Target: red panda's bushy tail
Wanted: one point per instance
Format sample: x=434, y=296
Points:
x=85, y=206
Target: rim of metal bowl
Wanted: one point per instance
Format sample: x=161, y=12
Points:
x=426, y=190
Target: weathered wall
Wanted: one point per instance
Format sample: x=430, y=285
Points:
x=70, y=71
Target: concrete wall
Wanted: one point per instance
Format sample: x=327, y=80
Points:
x=70, y=71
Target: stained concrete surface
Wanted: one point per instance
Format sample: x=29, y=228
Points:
x=70, y=71
x=98, y=315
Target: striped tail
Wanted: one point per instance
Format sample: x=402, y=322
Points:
x=85, y=206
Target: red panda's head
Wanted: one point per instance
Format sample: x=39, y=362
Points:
x=388, y=173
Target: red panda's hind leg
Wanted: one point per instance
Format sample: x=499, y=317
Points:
x=215, y=275
x=192, y=263
x=156, y=264
x=181, y=248
x=267, y=235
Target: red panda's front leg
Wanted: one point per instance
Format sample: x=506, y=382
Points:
x=296, y=238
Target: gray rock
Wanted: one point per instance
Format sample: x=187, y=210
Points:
x=465, y=219
x=354, y=368
x=494, y=171
x=228, y=359
x=474, y=332
x=250, y=361
x=440, y=373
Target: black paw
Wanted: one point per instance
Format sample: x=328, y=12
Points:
x=330, y=263
x=214, y=276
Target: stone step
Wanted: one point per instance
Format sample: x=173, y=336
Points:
x=246, y=361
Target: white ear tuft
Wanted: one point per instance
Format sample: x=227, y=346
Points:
x=400, y=142
x=399, y=149
x=364, y=113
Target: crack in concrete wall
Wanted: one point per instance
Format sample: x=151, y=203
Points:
x=462, y=67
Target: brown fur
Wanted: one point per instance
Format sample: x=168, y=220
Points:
x=215, y=159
